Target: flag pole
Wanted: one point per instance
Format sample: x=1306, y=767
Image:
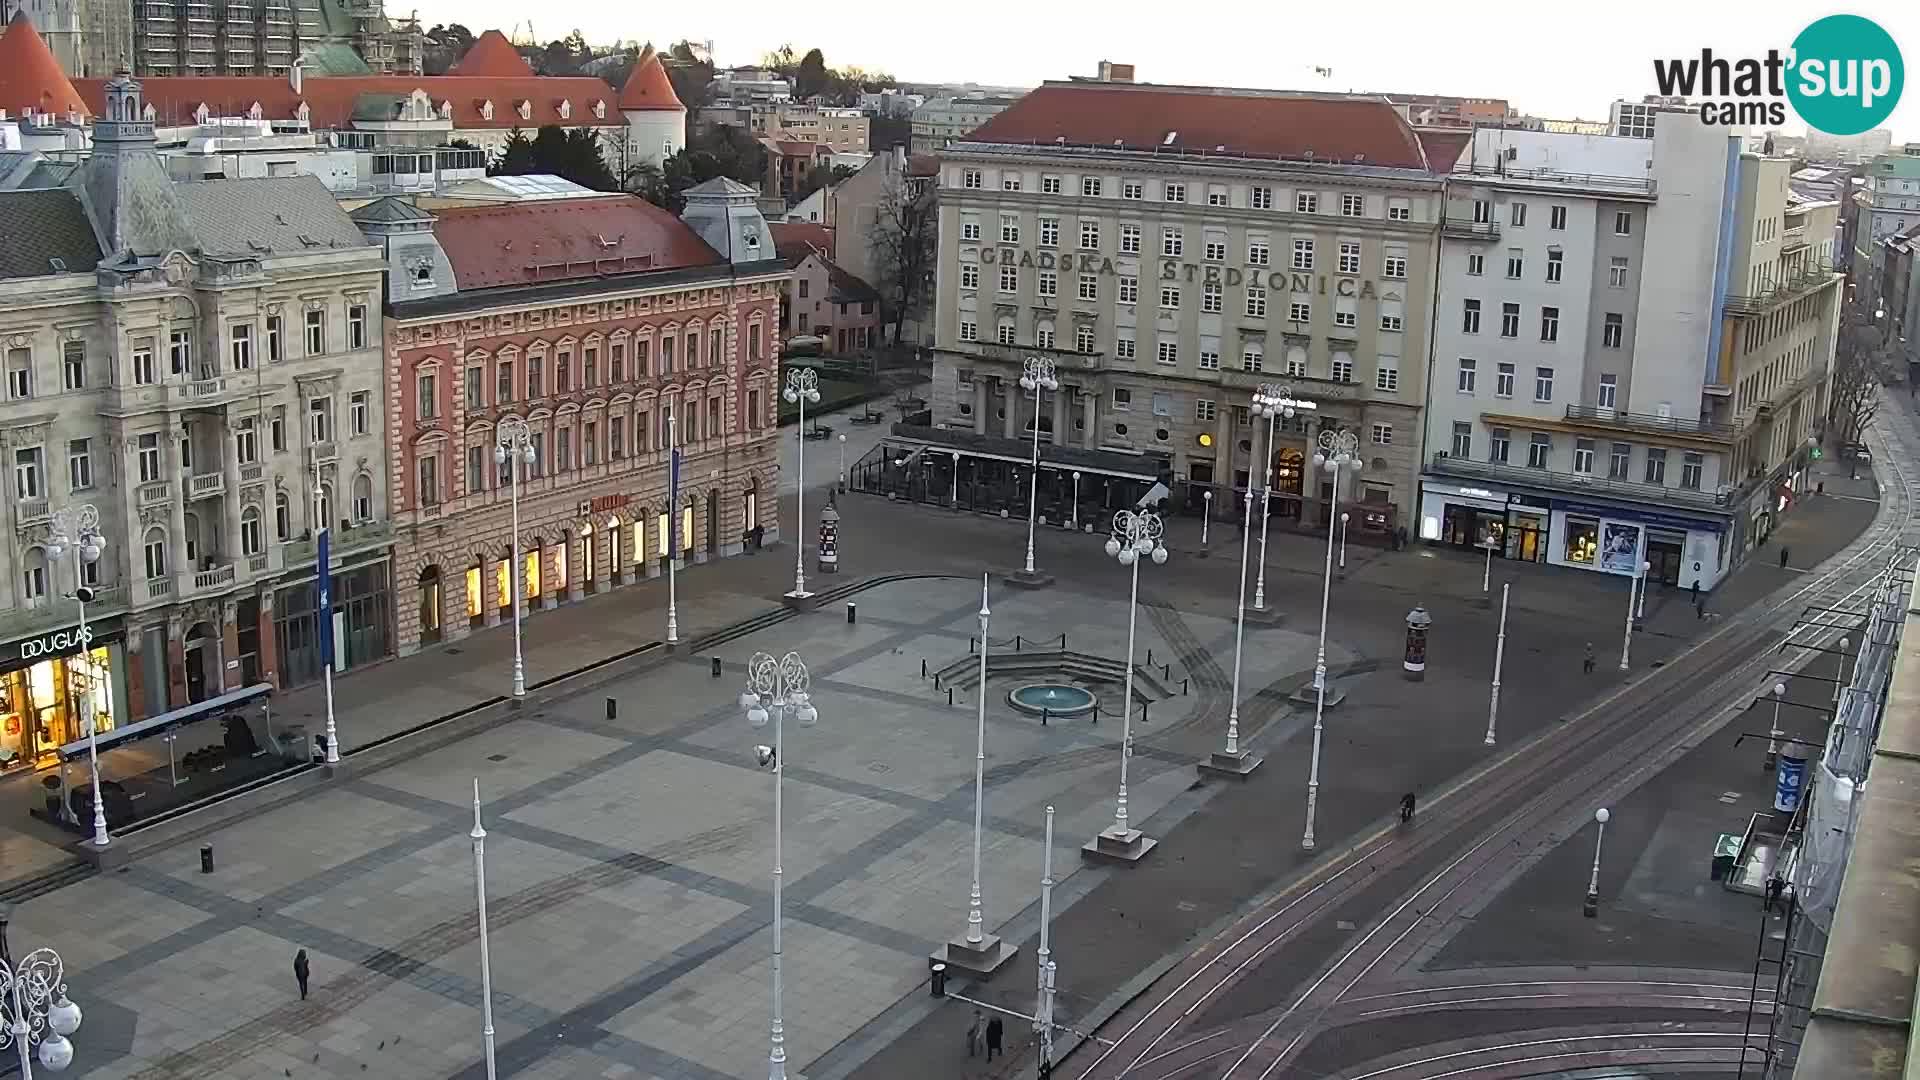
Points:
x=673, y=527
x=323, y=576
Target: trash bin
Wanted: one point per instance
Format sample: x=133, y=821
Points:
x=1726, y=850
x=51, y=785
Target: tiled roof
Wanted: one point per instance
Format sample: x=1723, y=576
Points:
x=389, y=210
x=796, y=148
x=1443, y=148
x=923, y=165
x=43, y=226
x=492, y=56
x=846, y=287
x=565, y=239
x=30, y=78
x=648, y=89
x=795, y=240
x=1205, y=120
x=331, y=101
x=282, y=215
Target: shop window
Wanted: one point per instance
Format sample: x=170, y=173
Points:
x=1583, y=540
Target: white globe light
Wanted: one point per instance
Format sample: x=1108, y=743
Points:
x=500, y=455
x=1779, y=689
x=1143, y=545
x=1602, y=815
x=1113, y=547
x=56, y=1053
x=791, y=396
x=1159, y=556
x=757, y=716
x=64, y=1016
x=1319, y=459
x=748, y=699
x=56, y=550
x=91, y=550
x=528, y=454
x=813, y=395
x=1127, y=555
x=1026, y=382
x=807, y=714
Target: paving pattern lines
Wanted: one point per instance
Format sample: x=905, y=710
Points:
x=1723, y=660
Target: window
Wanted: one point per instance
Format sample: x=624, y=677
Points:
x=1205, y=412
x=1299, y=312
x=1619, y=460
x=1303, y=254
x=1349, y=258
x=1342, y=368
x=1623, y=223
x=642, y=349
x=240, y=345
x=143, y=372
x=360, y=411
x=155, y=549
x=969, y=277
x=1617, y=272
x=275, y=337
x=1173, y=192
x=1010, y=230
x=474, y=390
x=1387, y=375
x=1257, y=252
x=1006, y=334
x=563, y=370
x=1476, y=263
x=1133, y=189
x=1083, y=338
x=1482, y=212
x=1656, y=465
x=1211, y=297
x=970, y=179
x=1256, y=302
x=426, y=395
x=1129, y=290
x=617, y=432
x=251, y=542
x=1498, y=441
x=590, y=363
x=1123, y=347
x=1609, y=387
x=1090, y=235
x=79, y=464
x=1090, y=186
x=1582, y=452
x=1089, y=287
x=319, y=420
x=1469, y=373
x=1216, y=251
x=246, y=442
x=316, y=333
x=26, y=474
x=1209, y=359
x=1306, y=202
x=969, y=330
x=1169, y=352
x=1252, y=359
x=1470, y=317
x=1539, y=450
x=1515, y=263
x=283, y=515
x=19, y=374
x=1462, y=439
x=73, y=365
x=1260, y=198
x=149, y=457
x=1344, y=315
x=1557, y=218
x=1353, y=205
x=1122, y=399
x=1049, y=285
x=1549, y=324
x=1009, y=181
x=1043, y=335
x=1543, y=384
x=1503, y=380
x=969, y=230
x=1555, y=265
x=1009, y=279
x=1049, y=185
x=1383, y=434
x=1394, y=266
x=277, y=429
x=590, y=438
x=362, y=498
x=1172, y=243
x=1296, y=365
x=1509, y=320
x=1612, y=330
x=1691, y=466
x=180, y=351
x=1129, y=239
x=1517, y=212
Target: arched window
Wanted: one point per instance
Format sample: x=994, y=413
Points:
x=323, y=509
x=33, y=575
x=156, y=552
x=192, y=539
x=282, y=516
x=362, y=499
x=251, y=542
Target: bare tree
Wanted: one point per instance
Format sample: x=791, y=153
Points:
x=904, y=247
x=1860, y=364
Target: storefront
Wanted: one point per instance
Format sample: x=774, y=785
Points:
x=50, y=682
x=1464, y=517
x=1617, y=539
x=361, y=615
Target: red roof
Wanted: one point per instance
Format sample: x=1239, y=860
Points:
x=648, y=89
x=30, y=78
x=331, y=100
x=494, y=56
x=565, y=240
x=1444, y=147
x=1203, y=120
x=797, y=148
x=795, y=240
x=923, y=165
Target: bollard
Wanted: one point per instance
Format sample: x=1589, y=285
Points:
x=1016, y=643
x=1183, y=688
x=923, y=665
x=1149, y=657
x=613, y=707
x=206, y=858
x=1096, y=714
x=1166, y=671
x=1043, y=715
x=970, y=644
x=936, y=680
x=1143, y=710
x=1063, y=643
x=716, y=667
x=949, y=695
x=850, y=613
x=939, y=980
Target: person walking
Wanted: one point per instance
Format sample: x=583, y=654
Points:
x=1406, y=808
x=1775, y=886
x=300, y=972
x=976, y=1033
x=1587, y=664
x=994, y=1031
x=1783, y=556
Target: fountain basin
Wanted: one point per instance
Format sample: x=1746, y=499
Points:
x=1054, y=699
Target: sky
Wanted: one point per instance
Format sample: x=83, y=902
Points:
x=1548, y=60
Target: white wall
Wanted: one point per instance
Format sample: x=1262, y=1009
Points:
x=1676, y=307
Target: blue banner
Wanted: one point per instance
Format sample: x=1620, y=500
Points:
x=1789, y=782
x=673, y=505
x=323, y=568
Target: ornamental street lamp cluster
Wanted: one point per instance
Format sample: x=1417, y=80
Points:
x=1274, y=401
x=1036, y=374
x=803, y=386
x=1136, y=535
x=513, y=447
x=76, y=529
x=775, y=689
x=34, y=1009
x=1338, y=453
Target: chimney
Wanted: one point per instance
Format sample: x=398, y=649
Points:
x=900, y=157
x=1112, y=72
x=294, y=76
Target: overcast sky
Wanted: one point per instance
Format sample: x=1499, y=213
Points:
x=1546, y=64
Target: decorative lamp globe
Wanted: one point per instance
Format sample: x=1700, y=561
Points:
x=56, y=549
x=1113, y=547
x=749, y=699
x=1159, y=556
x=806, y=714
x=1319, y=460
x=527, y=454
x=64, y=1016
x=90, y=550
x=757, y=715
x=56, y=1053
x=1127, y=555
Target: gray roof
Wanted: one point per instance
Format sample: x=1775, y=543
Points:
x=389, y=211
x=282, y=215
x=721, y=185
x=44, y=225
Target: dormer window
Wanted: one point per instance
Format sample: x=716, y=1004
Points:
x=524, y=108
x=256, y=112
x=303, y=113
x=446, y=110
x=201, y=113
x=600, y=110
x=149, y=113
x=566, y=110
x=486, y=110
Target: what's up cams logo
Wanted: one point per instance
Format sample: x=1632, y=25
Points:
x=1843, y=76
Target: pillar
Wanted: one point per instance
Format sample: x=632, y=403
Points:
x=627, y=550
x=1090, y=438
x=1224, y=447
x=453, y=605
x=269, y=642
x=136, y=673
x=1011, y=395
x=177, y=508
x=230, y=501
x=1060, y=437
x=552, y=582
x=229, y=664
x=176, y=661
x=132, y=540
x=980, y=405
x=490, y=591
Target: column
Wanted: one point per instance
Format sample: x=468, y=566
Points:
x=551, y=584
x=230, y=501
x=132, y=538
x=579, y=562
x=626, y=550
x=454, y=623
x=228, y=678
x=1060, y=396
x=1090, y=439
x=136, y=674
x=490, y=591
x=980, y=404
x=269, y=643
x=177, y=506
x=1224, y=447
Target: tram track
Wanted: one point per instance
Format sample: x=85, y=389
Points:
x=1610, y=745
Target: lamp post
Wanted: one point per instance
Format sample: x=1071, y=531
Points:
x=843, y=463
x=1773, y=733
x=1136, y=535
x=513, y=447
x=1043, y=959
x=1273, y=401
x=1840, y=676
x=1343, y=543
x=673, y=527
x=1076, y=500
x=479, y=836
x=1036, y=374
x=1626, y=641
x=1206, y=518
x=77, y=528
x=1646, y=571
x=774, y=689
x=1591, y=907
x=977, y=951
x=1499, y=657
x=1339, y=452
x=803, y=385
x=1486, y=575
x=323, y=578
x=34, y=1010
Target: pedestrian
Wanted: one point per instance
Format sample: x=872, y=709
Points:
x=976, y=1032
x=1783, y=556
x=1775, y=886
x=1587, y=664
x=300, y=971
x=1696, y=592
x=1406, y=808
x=994, y=1031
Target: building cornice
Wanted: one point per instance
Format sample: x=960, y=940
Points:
x=1186, y=163
x=624, y=286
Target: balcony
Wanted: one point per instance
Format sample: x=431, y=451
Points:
x=1814, y=278
x=324, y=452
x=206, y=485
x=1064, y=359
x=1619, y=420
x=1793, y=239
x=190, y=582
x=343, y=541
x=1470, y=230
x=158, y=493
x=198, y=394
x=28, y=620
x=31, y=512
x=1305, y=387
x=252, y=474
x=1586, y=484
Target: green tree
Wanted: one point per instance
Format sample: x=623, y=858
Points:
x=812, y=78
x=516, y=157
x=445, y=45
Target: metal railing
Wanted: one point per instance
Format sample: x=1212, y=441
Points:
x=1501, y=171
x=1582, y=483
x=32, y=512
x=1632, y=421
x=1813, y=278
x=1471, y=230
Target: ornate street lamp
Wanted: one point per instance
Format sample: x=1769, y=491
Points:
x=1036, y=374
x=77, y=529
x=1339, y=453
x=513, y=443
x=776, y=688
x=1136, y=535
x=34, y=1010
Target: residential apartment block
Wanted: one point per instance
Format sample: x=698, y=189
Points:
x=1171, y=249
x=201, y=363
x=1631, y=341
x=942, y=120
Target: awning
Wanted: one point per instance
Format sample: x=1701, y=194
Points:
x=160, y=725
x=1112, y=463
